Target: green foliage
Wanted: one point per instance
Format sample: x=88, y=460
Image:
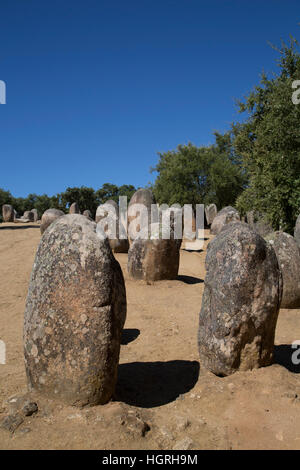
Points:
x=87, y=198
x=269, y=144
x=111, y=191
x=200, y=175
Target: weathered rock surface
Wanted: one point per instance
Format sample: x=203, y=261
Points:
x=140, y=219
x=153, y=258
x=242, y=295
x=35, y=215
x=250, y=217
x=75, y=312
x=210, y=212
x=297, y=230
x=87, y=213
x=49, y=216
x=74, y=208
x=174, y=218
x=8, y=214
x=288, y=255
x=11, y=422
x=28, y=215
x=259, y=223
x=225, y=216
x=110, y=212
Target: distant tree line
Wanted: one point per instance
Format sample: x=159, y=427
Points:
x=87, y=198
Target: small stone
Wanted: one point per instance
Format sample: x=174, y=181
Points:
x=184, y=444
x=182, y=423
x=134, y=424
x=29, y=408
x=12, y=422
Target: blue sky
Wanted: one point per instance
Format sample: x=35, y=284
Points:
x=96, y=88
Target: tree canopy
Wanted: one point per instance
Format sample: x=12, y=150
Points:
x=200, y=175
x=269, y=144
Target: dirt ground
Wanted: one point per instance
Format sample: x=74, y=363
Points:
x=164, y=399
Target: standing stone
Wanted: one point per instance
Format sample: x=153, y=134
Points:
x=259, y=223
x=174, y=217
x=35, y=215
x=210, y=212
x=74, y=208
x=28, y=216
x=75, y=312
x=225, y=216
x=110, y=211
x=241, y=300
x=250, y=217
x=153, y=258
x=297, y=230
x=145, y=198
x=8, y=213
x=87, y=213
x=288, y=255
x=49, y=216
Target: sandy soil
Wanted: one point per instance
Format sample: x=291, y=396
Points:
x=164, y=399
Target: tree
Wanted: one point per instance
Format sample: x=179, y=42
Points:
x=85, y=197
x=200, y=175
x=269, y=144
x=111, y=191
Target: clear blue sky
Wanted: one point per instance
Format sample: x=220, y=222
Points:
x=95, y=88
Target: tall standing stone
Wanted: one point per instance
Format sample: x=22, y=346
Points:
x=152, y=257
x=210, y=213
x=144, y=198
x=49, y=216
x=297, y=230
x=241, y=300
x=225, y=216
x=110, y=211
x=74, y=208
x=75, y=312
x=288, y=255
x=35, y=215
x=8, y=213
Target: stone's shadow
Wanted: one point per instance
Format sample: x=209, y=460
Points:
x=18, y=227
x=189, y=279
x=151, y=384
x=284, y=354
x=129, y=335
x=192, y=251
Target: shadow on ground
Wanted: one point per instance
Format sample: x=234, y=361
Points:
x=129, y=335
x=192, y=251
x=151, y=384
x=18, y=227
x=284, y=355
x=189, y=279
